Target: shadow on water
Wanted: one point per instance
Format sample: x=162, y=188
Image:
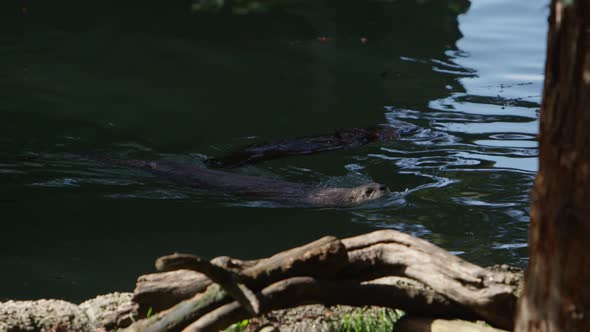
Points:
x=154, y=80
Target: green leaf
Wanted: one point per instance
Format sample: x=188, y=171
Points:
x=149, y=312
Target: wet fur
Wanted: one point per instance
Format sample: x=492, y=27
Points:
x=253, y=186
x=341, y=139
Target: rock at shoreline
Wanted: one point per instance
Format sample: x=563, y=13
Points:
x=60, y=316
x=42, y=315
x=103, y=310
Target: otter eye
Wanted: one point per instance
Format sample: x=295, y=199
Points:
x=369, y=191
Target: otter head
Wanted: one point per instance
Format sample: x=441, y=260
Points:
x=368, y=192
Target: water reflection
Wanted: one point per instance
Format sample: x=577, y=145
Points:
x=468, y=77
x=481, y=137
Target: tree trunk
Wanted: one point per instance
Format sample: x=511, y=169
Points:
x=557, y=293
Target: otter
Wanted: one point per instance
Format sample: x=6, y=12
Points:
x=253, y=186
x=341, y=139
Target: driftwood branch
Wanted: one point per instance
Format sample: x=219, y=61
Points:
x=161, y=291
x=412, y=274
x=183, y=313
x=488, y=293
x=306, y=290
x=227, y=279
x=324, y=257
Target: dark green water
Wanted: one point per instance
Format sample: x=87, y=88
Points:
x=154, y=80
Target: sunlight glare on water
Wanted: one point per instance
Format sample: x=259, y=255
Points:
x=78, y=80
x=485, y=130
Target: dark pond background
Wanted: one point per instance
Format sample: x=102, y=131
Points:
x=154, y=79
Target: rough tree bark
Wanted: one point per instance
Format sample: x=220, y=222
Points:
x=556, y=295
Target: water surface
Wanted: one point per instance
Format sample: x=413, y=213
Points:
x=157, y=81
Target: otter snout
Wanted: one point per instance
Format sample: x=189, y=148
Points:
x=371, y=191
x=379, y=187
